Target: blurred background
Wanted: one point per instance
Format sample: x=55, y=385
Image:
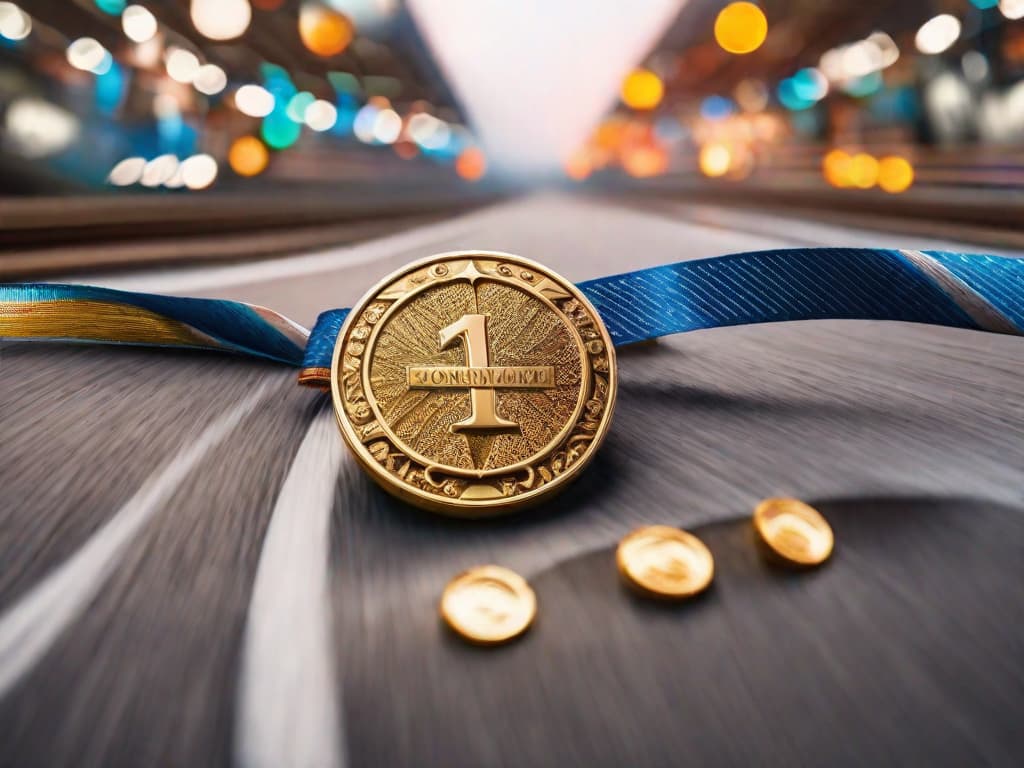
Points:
x=326, y=121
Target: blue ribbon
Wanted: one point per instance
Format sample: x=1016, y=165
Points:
x=958, y=290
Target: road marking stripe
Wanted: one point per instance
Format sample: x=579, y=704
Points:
x=31, y=626
x=288, y=706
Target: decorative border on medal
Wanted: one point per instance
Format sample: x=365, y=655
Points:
x=428, y=485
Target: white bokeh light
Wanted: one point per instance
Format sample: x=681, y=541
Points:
x=199, y=171
x=15, y=24
x=387, y=126
x=938, y=34
x=321, y=115
x=139, y=24
x=87, y=54
x=38, y=128
x=254, y=101
x=127, y=172
x=182, y=65
x=159, y=170
x=210, y=79
x=221, y=19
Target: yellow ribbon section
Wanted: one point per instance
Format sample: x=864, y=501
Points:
x=97, y=321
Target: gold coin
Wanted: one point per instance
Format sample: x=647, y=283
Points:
x=794, y=531
x=472, y=383
x=488, y=604
x=665, y=562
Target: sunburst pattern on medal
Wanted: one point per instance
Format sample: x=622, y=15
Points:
x=522, y=331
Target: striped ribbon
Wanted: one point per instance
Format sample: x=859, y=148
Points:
x=974, y=291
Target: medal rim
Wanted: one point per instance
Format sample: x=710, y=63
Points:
x=473, y=508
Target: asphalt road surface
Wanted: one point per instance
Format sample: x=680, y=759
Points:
x=193, y=572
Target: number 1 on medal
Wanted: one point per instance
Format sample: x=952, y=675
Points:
x=472, y=329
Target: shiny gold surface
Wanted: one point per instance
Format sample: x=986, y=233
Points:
x=473, y=383
x=665, y=562
x=488, y=604
x=95, y=320
x=794, y=531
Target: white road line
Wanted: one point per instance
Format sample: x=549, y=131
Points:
x=30, y=627
x=288, y=703
x=204, y=278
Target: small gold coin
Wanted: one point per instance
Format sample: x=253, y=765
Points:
x=665, y=562
x=474, y=383
x=794, y=531
x=488, y=604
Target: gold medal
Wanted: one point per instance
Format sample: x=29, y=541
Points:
x=473, y=383
x=488, y=605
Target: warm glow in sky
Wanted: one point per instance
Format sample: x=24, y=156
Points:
x=535, y=76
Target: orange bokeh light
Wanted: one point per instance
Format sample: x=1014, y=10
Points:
x=715, y=160
x=836, y=168
x=471, y=164
x=741, y=27
x=642, y=89
x=863, y=172
x=323, y=31
x=642, y=161
x=248, y=156
x=268, y=5
x=895, y=174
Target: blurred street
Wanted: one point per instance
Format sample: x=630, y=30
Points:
x=907, y=436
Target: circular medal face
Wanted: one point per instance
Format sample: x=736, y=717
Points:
x=472, y=383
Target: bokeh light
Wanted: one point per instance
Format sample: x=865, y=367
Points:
x=471, y=164
x=895, y=174
x=937, y=34
x=325, y=32
x=714, y=160
x=15, y=24
x=863, y=171
x=182, y=65
x=279, y=131
x=298, y=104
x=89, y=55
x=387, y=126
x=111, y=7
x=741, y=27
x=248, y=156
x=321, y=115
x=642, y=89
x=221, y=19
x=1012, y=9
x=210, y=79
x=159, y=170
x=254, y=101
x=199, y=171
x=751, y=95
x=716, y=107
x=127, y=172
x=139, y=24
x=836, y=168
x=644, y=160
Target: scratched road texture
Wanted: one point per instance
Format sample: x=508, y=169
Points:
x=194, y=573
